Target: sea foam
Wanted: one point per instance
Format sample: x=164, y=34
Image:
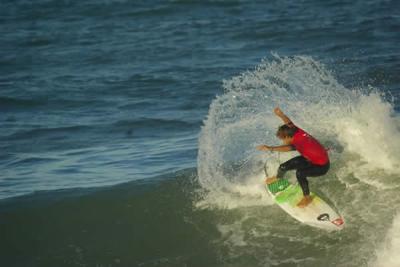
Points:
x=357, y=124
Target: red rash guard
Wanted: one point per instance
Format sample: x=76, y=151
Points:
x=309, y=147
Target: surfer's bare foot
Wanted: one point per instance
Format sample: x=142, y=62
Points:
x=304, y=201
x=270, y=180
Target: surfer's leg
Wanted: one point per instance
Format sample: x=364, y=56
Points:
x=302, y=179
x=316, y=170
x=298, y=162
x=310, y=170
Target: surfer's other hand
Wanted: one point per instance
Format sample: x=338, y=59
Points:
x=263, y=148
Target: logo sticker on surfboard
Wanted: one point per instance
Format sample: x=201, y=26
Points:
x=323, y=217
x=338, y=222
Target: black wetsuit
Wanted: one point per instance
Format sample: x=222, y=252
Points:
x=304, y=169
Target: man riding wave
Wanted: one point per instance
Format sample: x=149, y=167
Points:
x=313, y=160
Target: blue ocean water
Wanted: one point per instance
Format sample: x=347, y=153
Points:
x=97, y=93
x=102, y=92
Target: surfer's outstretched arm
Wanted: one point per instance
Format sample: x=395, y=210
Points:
x=278, y=112
x=284, y=148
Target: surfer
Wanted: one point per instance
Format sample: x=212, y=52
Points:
x=313, y=160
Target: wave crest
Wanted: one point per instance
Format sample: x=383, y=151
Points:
x=359, y=126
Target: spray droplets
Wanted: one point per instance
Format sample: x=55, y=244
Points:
x=355, y=123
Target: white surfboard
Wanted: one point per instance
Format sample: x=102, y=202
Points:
x=318, y=213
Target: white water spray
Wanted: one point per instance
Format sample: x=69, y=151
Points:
x=359, y=127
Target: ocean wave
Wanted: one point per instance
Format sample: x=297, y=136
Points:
x=30, y=161
x=46, y=103
x=144, y=123
x=356, y=124
x=47, y=132
x=388, y=253
x=14, y=103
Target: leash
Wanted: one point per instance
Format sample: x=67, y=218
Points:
x=265, y=164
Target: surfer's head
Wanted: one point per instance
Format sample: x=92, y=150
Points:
x=286, y=133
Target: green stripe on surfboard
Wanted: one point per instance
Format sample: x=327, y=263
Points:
x=278, y=186
x=286, y=192
x=292, y=194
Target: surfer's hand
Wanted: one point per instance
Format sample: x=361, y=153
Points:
x=263, y=148
x=278, y=112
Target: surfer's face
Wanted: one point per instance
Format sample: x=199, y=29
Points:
x=285, y=133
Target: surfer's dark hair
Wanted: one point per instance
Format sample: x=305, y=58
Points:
x=286, y=131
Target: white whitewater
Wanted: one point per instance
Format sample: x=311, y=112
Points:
x=358, y=124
